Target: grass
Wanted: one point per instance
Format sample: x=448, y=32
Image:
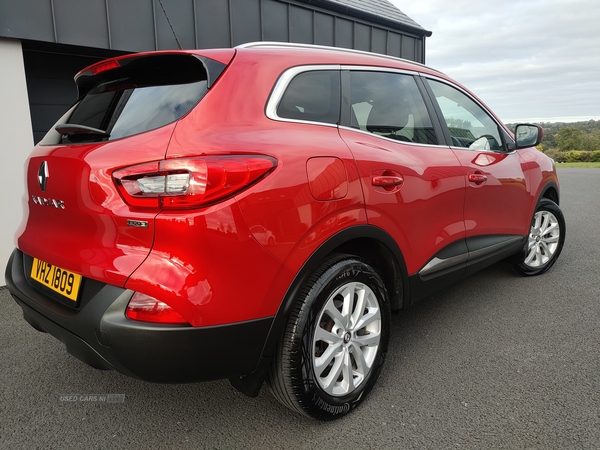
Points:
x=586, y=165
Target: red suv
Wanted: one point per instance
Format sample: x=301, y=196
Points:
x=256, y=213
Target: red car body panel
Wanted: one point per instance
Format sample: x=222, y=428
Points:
x=184, y=268
x=539, y=173
x=90, y=235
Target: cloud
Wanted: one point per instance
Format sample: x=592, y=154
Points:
x=525, y=59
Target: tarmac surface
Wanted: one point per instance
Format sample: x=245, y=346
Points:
x=496, y=361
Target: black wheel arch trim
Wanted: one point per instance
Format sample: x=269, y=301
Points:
x=548, y=186
x=336, y=241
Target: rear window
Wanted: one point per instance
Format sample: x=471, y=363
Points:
x=144, y=94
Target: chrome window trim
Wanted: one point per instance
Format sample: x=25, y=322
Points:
x=280, y=87
x=286, y=77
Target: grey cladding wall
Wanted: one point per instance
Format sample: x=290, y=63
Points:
x=49, y=72
x=60, y=37
x=140, y=25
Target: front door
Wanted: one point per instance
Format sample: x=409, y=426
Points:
x=497, y=200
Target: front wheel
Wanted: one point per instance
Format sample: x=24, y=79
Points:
x=545, y=240
x=335, y=341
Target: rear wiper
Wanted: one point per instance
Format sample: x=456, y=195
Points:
x=73, y=128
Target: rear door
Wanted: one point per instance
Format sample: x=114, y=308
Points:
x=412, y=184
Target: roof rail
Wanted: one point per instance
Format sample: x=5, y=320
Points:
x=272, y=44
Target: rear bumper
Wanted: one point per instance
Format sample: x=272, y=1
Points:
x=99, y=334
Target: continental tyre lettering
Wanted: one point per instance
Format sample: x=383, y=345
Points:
x=335, y=410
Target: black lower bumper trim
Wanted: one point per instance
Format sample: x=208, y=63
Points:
x=100, y=335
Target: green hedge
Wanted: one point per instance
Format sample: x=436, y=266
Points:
x=574, y=156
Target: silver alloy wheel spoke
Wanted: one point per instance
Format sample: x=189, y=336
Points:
x=346, y=338
x=543, y=239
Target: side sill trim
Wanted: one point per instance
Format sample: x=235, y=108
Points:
x=438, y=264
x=492, y=248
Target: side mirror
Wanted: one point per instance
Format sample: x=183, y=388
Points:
x=528, y=135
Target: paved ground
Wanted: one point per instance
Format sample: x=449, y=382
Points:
x=497, y=361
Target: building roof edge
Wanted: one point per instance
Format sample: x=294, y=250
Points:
x=344, y=6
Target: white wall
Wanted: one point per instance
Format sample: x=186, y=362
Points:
x=15, y=144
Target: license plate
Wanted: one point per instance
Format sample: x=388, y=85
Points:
x=59, y=280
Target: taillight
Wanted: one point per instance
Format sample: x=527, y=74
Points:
x=104, y=66
x=144, y=308
x=189, y=183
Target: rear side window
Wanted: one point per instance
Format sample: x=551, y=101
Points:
x=145, y=94
x=390, y=105
x=312, y=96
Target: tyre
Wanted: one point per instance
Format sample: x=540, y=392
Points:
x=335, y=341
x=545, y=240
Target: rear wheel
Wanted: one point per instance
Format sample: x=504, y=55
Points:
x=545, y=240
x=335, y=341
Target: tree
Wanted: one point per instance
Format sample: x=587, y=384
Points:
x=570, y=138
x=593, y=140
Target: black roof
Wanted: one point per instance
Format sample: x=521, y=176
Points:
x=378, y=11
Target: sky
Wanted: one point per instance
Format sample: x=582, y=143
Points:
x=528, y=60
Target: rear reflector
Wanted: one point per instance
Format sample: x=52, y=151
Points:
x=144, y=308
x=189, y=183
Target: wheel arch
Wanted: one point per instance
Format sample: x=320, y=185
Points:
x=551, y=192
x=370, y=243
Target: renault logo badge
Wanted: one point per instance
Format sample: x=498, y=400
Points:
x=43, y=175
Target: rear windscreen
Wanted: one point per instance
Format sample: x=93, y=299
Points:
x=144, y=94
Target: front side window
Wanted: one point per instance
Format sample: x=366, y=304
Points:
x=390, y=105
x=469, y=125
x=312, y=96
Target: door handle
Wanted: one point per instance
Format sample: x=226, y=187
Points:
x=387, y=181
x=477, y=178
